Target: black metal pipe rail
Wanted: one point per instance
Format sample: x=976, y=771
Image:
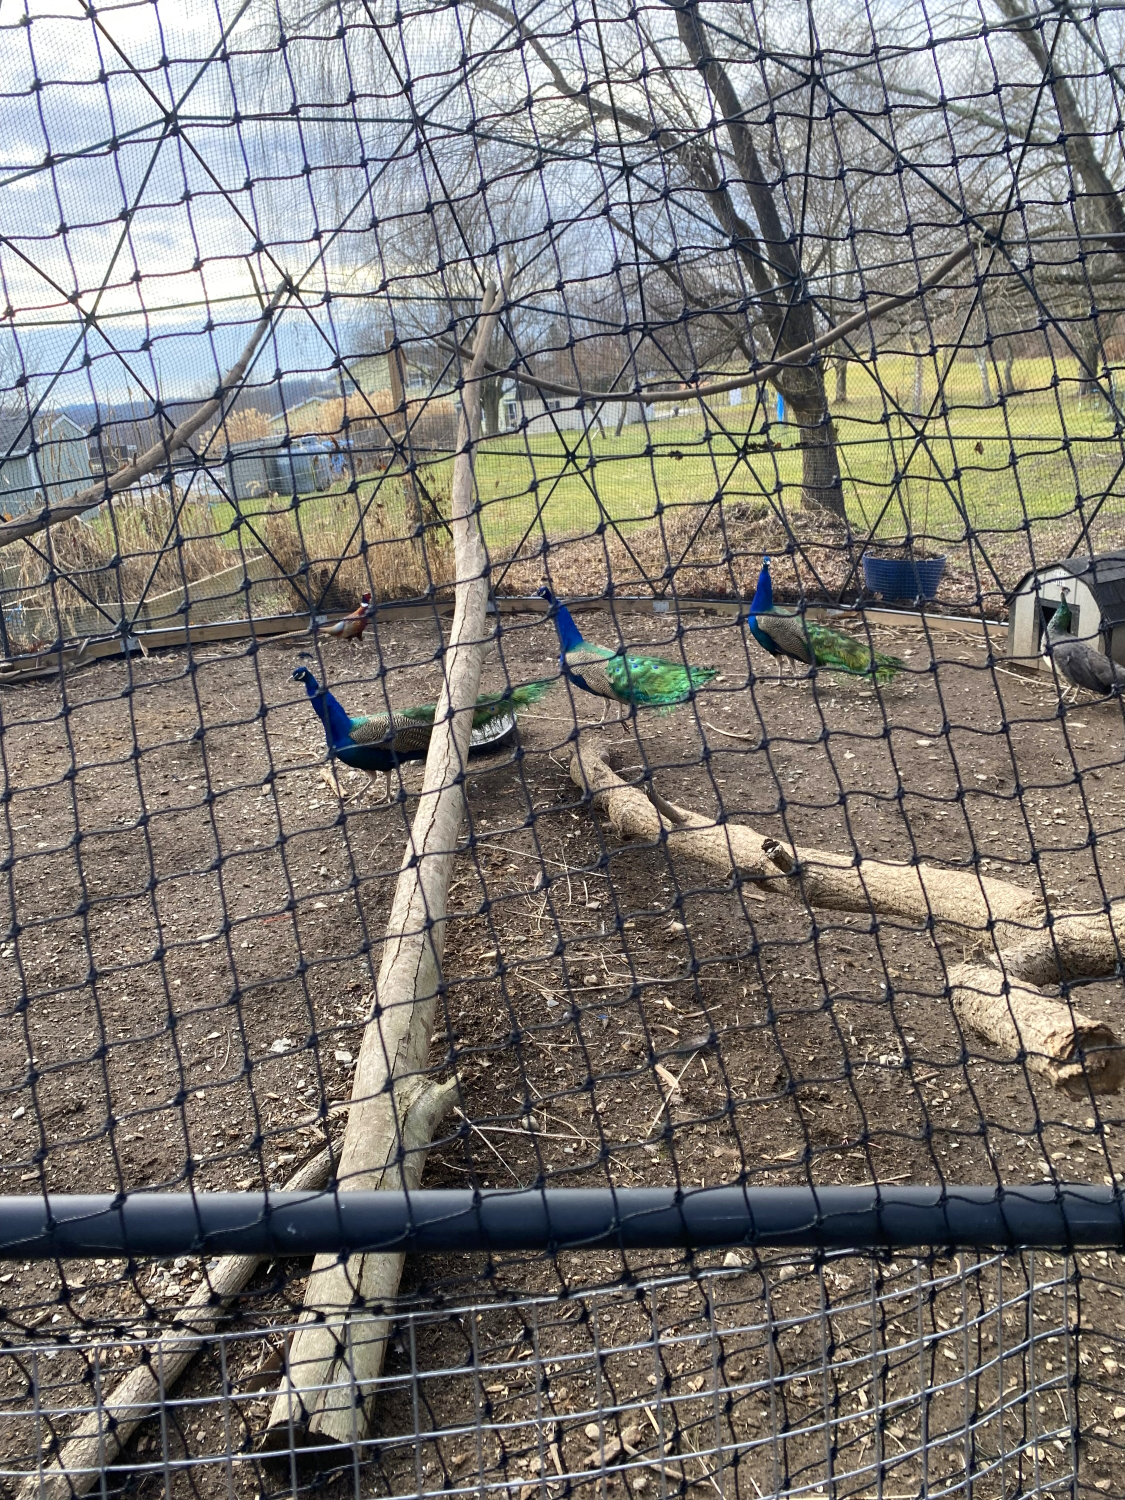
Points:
x=302, y=1224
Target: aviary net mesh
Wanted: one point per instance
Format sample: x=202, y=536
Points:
x=833, y=296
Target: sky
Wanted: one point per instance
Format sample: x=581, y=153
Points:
x=138, y=268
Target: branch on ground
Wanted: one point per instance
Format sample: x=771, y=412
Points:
x=1076, y=1053
x=818, y=877
x=997, y=995
x=99, y=1435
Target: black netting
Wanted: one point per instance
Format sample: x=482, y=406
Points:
x=812, y=894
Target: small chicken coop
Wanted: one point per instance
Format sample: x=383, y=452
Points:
x=1095, y=592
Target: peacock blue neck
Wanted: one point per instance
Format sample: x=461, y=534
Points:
x=1059, y=623
x=330, y=711
x=570, y=637
x=762, y=602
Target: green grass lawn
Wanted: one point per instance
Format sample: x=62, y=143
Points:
x=1039, y=453
x=1035, y=454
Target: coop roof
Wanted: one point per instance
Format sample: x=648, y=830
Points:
x=1103, y=575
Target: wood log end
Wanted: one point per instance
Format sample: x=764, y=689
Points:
x=1077, y=1054
x=1085, y=1058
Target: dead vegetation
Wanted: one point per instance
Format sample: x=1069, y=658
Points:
x=716, y=551
x=338, y=549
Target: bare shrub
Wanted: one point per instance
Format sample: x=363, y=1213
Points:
x=327, y=549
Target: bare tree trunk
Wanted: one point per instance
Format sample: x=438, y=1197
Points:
x=1088, y=339
x=821, y=483
x=917, y=395
x=490, y=406
x=338, y=1352
x=1102, y=200
x=1009, y=369
x=841, y=380
x=985, y=378
x=396, y=374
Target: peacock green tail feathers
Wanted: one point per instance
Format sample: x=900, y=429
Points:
x=492, y=706
x=843, y=653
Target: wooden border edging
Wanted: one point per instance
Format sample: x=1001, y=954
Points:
x=17, y=669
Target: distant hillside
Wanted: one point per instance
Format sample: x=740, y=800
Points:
x=265, y=398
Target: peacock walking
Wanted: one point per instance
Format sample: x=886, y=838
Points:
x=787, y=635
x=1079, y=663
x=623, y=677
x=380, y=743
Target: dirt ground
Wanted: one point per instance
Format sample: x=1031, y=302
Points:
x=193, y=922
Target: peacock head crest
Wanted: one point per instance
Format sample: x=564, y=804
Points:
x=302, y=674
x=543, y=592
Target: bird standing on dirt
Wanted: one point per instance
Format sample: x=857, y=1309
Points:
x=352, y=626
x=787, y=634
x=622, y=677
x=380, y=743
x=1079, y=663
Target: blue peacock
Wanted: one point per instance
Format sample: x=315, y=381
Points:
x=380, y=743
x=788, y=635
x=623, y=677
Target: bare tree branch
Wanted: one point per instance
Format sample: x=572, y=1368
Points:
x=651, y=396
x=156, y=456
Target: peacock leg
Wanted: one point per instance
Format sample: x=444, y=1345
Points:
x=605, y=710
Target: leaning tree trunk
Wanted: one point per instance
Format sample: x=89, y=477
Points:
x=337, y=1353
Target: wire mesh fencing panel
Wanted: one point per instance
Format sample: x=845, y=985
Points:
x=836, y=1375
x=772, y=340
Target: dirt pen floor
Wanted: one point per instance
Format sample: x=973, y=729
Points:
x=196, y=921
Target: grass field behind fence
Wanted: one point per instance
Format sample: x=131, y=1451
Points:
x=1041, y=454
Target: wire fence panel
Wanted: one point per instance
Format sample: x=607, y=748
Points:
x=798, y=1377
x=562, y=626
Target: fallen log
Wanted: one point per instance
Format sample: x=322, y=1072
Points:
x=102, y=1432
x=1068, y=945
x=1078, y=1054
x=914, y=893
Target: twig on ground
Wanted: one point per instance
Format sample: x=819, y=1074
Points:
x=509, y=1169
x=755, y=738
x=673, y=1089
